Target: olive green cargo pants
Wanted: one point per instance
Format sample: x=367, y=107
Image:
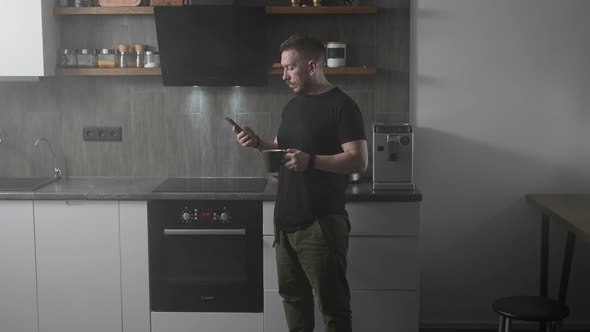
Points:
x=315, y=258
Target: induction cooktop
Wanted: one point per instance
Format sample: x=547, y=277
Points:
x=213, y=184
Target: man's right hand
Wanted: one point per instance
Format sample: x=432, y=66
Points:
x=247, y=138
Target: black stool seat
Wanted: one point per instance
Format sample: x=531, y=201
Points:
x=531, y=308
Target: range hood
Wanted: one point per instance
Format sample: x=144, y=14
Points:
x=212, y=45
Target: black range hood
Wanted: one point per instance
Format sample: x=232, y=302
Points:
x=212, y=45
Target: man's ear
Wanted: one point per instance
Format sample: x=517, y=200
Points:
x=312, y=66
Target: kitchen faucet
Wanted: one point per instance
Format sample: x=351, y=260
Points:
x=57, y=173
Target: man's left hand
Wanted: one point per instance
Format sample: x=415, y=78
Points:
x=296, y=160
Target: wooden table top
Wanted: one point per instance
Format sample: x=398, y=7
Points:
x=571, y=209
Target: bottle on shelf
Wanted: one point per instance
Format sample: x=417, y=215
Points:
x=139, y=55
x=67, y=58
x=87, y=58
x=152, y=59
x=107, y=58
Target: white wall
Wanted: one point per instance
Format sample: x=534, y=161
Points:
x=501, y=102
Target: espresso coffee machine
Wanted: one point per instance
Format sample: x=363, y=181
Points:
x=393, y=156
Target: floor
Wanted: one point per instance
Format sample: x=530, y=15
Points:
x=492, y=330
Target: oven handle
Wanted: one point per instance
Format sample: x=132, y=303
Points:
x=168, y=231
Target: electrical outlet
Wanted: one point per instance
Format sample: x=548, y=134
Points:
x=102, y=134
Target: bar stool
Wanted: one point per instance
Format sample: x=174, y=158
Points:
x=549, y=313
x=546, y=311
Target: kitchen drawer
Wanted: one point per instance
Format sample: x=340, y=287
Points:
x=374, y=263
x=372, y=311
x=369, y=218
x=206, y=321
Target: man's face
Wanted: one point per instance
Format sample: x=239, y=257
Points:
x=295, y=71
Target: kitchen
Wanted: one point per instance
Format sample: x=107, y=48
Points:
x=480, y=106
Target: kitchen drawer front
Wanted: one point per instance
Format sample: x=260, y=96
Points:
x=383, y=219
x=372, y=311
x=368, y=218
x=374, y=263
x=206, y=322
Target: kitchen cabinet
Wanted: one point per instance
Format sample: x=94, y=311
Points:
x=383, y=268
x=18, y=296
x=29, y=39
x=135, y=285
x=78, y=266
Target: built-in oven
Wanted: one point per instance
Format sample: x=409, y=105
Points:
x=205, y=255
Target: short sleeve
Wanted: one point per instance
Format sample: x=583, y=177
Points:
x=350, y=123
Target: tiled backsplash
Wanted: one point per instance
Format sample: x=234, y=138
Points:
x=181, y=131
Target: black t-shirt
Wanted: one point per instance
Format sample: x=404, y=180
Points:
x=315, y=124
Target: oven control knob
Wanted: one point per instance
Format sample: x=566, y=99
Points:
x=186, y=217
x=224, y=216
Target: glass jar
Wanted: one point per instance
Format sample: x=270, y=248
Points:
x=139, y=59
x=126, y=60
x=67, y=58
x=64, y=3
x=107, y=58
x=82, y=3
x=86, y=58
x=151, y=59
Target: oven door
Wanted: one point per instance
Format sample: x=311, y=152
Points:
x=206, y=269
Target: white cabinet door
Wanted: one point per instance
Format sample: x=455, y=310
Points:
x=18, y=297
x=135, y=284
x=78, y=266
x=28, y=38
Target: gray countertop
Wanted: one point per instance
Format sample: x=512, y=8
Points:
x=141, y=188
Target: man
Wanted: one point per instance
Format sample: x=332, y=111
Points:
x=322, y=130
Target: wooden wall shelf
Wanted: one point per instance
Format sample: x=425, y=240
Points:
x=321, y=10
x=108, y=71
x=308, y=10
x=278, y=70
x=104, y=11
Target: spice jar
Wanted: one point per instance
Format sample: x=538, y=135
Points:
x=139, y=60
x=67, y=58
x=86, y=58
x=82, y=3
x=139, y=56
x=107, y=58
x=126, y=60
x=64, y=3
x=151, y=59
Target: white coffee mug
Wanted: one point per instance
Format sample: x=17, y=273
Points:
x=336, y=54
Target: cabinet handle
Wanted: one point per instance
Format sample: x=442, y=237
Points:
x=168, y=231
x=75, y=202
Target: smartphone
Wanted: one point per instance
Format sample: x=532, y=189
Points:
x=233, y=123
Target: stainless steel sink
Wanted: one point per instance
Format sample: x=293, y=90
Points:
x=24, y=184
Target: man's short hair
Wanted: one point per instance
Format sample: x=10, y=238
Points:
x=310, y=48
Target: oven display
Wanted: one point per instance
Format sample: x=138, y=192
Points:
x=195, y=216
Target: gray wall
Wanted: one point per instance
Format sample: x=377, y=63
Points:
x=172, y=131
x=502, y=107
